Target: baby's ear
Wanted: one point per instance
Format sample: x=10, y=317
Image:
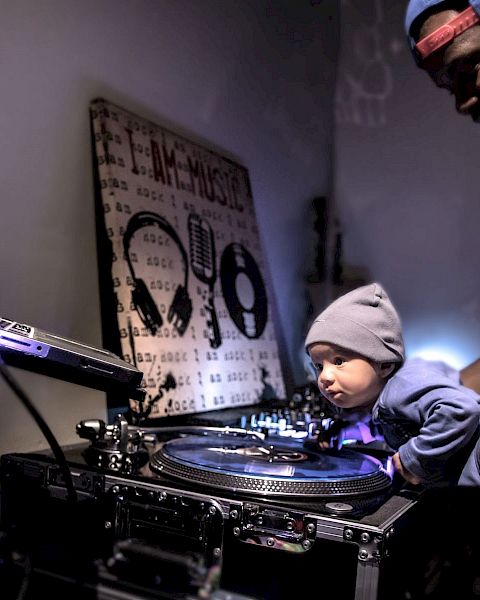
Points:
x=386, y=369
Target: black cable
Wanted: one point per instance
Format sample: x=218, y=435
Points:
x=26, y=579
x=45, y=429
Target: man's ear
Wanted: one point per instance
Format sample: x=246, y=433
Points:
x=386, y=369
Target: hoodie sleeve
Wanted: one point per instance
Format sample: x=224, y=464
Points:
x=447, y=419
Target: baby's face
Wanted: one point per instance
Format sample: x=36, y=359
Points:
x=345, y=378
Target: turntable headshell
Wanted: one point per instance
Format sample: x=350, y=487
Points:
x=124, y=448
x=117, y=447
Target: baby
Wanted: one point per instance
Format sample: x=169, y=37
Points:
x=423, y=411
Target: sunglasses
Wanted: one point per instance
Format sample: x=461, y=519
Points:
x=458, y=72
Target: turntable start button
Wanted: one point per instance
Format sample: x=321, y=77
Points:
x=338, y=507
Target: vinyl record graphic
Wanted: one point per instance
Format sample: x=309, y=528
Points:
x=243, y=290
x=259, y=468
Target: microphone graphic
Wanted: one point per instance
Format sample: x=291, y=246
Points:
x=202, y=261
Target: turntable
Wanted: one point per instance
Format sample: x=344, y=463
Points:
x=275, y=469
x=262, y=518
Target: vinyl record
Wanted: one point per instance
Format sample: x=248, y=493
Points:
x=253, y=466
x=243, y=290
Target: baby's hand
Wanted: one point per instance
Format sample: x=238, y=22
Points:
x=410, y=477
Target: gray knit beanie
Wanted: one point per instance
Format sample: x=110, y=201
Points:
x=362, y=321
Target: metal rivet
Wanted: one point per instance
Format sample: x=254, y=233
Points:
x=348, y=534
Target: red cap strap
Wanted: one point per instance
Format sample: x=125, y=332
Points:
x=445, y=34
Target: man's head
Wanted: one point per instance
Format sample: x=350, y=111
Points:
x=445, y=38
x=354, y=344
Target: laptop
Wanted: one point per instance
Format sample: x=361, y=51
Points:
x=67, y=359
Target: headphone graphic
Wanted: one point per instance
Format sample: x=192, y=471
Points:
x=180, y=309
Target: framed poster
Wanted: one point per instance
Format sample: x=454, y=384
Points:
x=182, y=281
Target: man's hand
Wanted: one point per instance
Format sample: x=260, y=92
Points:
x=410, y=477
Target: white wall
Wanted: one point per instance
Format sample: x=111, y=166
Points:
x=253, y=79
x=406, y=184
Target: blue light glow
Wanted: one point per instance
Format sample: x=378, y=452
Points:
x=445, y=337
x=452, y=356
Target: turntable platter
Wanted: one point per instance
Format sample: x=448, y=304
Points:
x=255, y=467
